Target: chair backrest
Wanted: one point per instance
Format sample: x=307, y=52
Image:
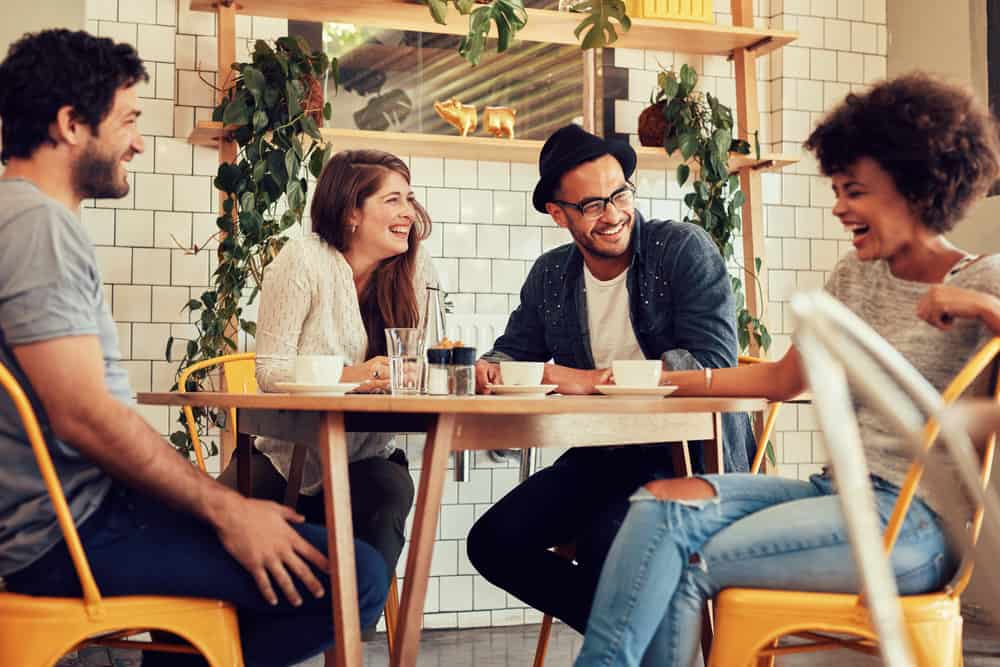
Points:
x=239, y=371
x=91, y=594
x=767, y=427
x=835, y=345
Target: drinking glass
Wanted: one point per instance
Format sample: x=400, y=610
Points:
x=404, y=348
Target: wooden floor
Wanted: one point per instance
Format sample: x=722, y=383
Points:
x=515, y=647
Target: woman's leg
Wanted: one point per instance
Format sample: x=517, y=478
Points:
x=799, y=545
x=381, y=498
x=266, y=482
x=667, y=524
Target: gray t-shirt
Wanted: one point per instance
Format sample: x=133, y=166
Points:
x=49, y=288
x=889, y=305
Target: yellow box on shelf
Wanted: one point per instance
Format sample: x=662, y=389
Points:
x=675, y=10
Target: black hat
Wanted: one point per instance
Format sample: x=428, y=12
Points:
x=569, y=147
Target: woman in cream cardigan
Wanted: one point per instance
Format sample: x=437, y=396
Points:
x=333, y=292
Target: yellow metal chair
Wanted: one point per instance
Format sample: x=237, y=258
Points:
x=239, y=371
x=749, y=622
x=568, y=550
x=37, y=631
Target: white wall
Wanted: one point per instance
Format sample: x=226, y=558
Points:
x=949, y=39
x=39, y=15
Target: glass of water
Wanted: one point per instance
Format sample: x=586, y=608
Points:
x=405, y=360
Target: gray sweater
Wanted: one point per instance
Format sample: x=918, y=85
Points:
x=889, y=305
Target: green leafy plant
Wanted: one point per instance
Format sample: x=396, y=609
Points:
x=272, y=110
x=509, y=16
x=701, y=128
x=597, y=24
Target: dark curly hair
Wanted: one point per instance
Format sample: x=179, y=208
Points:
x=939, y=144
x=45, y=71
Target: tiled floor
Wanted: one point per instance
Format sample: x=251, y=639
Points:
x=515, y=647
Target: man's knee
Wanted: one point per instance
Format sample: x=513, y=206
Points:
x=484, y=544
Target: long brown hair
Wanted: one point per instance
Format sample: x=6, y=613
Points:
x=349, y=178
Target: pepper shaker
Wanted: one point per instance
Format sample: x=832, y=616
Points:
x=463, y=371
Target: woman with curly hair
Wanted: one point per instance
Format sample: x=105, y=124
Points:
x=907, y=159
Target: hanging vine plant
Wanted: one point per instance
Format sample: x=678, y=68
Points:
x=273, y=112
x=701, y=128
x=509, y=16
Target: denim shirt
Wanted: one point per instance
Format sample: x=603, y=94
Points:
x=680, y=304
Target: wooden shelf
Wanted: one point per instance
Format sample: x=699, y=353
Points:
x=477, y=147
x=543, y=25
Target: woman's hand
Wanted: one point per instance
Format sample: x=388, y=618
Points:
x=375, y=369
x=943, y=304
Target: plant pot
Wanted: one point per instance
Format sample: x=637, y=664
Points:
x=313, y=99
x=652, y=125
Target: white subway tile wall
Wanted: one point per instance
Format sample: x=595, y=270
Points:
x=486, y=232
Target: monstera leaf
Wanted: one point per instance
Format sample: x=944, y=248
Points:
x=382, y=111
x=600, y=31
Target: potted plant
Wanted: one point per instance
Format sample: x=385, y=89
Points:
x=273, y=111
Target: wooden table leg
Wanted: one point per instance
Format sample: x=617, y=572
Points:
x=332, y=441
x=244, y=476
x=418, y=562
x=715, y=460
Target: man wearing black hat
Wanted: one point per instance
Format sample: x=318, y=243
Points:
x=626, y=288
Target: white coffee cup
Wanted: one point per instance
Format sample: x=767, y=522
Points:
x=522, y=372
x=637, y=373
x=322, y=369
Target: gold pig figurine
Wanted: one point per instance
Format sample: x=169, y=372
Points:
x=462, y=116
x=499, y=121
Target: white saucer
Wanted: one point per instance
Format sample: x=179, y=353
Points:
x=510, y=389
x=622, y=390
x=305, y=388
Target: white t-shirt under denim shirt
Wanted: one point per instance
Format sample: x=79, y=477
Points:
x=889, y=305
x=309, y=305
x=49, y=289
x=612, y=335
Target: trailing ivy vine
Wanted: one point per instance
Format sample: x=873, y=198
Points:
x=701, y=128
x=273, y=111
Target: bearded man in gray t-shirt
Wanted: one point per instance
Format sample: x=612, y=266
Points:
x=150, y=522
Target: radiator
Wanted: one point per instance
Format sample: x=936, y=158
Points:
x=478, y=331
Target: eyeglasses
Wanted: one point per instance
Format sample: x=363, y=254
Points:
x=593, y=207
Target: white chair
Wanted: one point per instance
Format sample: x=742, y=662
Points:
x=839, y=350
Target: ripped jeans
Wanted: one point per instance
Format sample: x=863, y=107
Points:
x=671, y=556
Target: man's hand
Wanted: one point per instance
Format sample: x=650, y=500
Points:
x=487, y=373
x=258, y=535
x=575, y=380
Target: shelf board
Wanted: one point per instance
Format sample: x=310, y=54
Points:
x=478, y=147
x=544, y=25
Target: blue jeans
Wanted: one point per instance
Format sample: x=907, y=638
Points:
x=137, y=545
x=671, y=556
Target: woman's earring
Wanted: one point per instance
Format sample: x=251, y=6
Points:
x=354, y=228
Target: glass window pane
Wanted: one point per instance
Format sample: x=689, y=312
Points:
x=390, y=80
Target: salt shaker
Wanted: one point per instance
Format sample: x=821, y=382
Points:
x=463, y=371
x=438, y=371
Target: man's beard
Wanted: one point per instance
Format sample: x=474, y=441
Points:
x=97, y=177
x=589, y=244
